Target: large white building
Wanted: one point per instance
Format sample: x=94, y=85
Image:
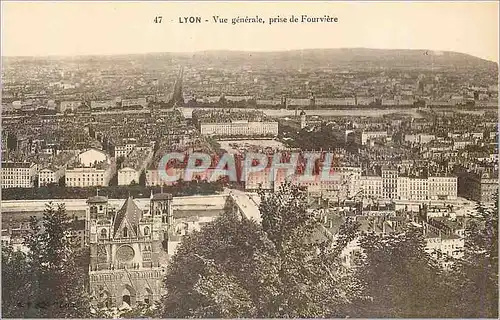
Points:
x=18, y=174
x=240, y=128
x=93, y=168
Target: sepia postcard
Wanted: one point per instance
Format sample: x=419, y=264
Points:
x=210, y=159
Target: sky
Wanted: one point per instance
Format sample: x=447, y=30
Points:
x=82, y=28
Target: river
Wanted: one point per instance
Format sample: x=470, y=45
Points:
x=354, y=112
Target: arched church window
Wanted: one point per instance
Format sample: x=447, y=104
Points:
x=125, y=232
x=104, y=233
x=146, y=231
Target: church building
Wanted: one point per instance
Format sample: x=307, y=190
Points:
x=128, y=248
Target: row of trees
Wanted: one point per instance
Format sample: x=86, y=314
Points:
x=285, y=266
x=180, y=188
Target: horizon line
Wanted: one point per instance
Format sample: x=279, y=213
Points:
x=231, y=50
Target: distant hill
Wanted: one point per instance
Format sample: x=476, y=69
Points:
x=349, y=58
x=353, y=57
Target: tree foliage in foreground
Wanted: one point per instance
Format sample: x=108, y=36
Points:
x=404, y=281
x=284, y=267
x=475, y=277
x=400, y=278
x=52, y=284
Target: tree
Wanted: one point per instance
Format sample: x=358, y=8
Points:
x=312, y=282
x=16, y=283
x=400, y=278
x=287, y=266
x=57, y=277
x=475, y=277
x=232, y=245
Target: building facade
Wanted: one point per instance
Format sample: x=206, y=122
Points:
x=240, y=128
x=127, y=250
x=18, y=174
x=88, y=176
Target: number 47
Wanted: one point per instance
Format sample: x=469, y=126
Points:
x=157, y=19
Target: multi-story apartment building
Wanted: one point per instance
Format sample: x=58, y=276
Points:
x=390, y=182
x=49, y=175
x=442, y=188
x=133, y=166
x=412, y=188
x=89, y=176
x=479, y=186
x=123, y=148
x=372, y=186
x=18, y=174
x=392, y=186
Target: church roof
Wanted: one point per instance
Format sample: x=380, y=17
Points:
x=129, y=212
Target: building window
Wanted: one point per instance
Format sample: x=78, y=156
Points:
x=146, y=231
x=104, y=233
x=125, y=232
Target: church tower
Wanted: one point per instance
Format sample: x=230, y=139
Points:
x=126, y=252
x=162, y=214
x=303, y=122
